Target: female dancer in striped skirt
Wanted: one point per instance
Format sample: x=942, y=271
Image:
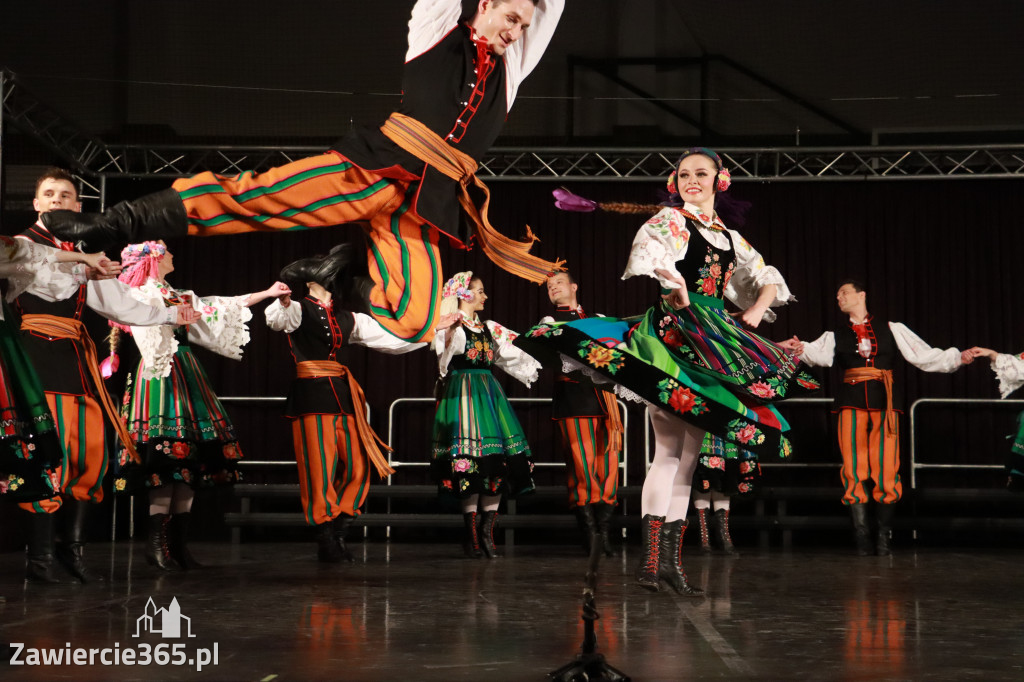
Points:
x=480, y=450
x=180, y=429
x=698, y=369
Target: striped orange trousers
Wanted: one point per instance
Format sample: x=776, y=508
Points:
x=334, y=476
x=870, y=451
x=323, y=191
x=80, y=424
x=593, y=473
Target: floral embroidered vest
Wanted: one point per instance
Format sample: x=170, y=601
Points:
x=705, y=268
x=480, y=351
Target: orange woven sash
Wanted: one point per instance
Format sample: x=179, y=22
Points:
x=613, y=422
x=68, y=328
x=859, y=374
x=316, y=369
x=507, y=253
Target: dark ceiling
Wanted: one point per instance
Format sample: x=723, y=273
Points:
x=802, y=71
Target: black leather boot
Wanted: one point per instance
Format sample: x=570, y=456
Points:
x=670, y=561
x=160, y=215
x=602, y=517
x=70, y=551
x=884, y=514
x=722, y=532
x=157, y=552
x=705, y=538
x=328, y=550
x=490, y=520
x=177, y=541
x=587, y=525
x=647, y=571
x=861, y=530
x=39, y=568
x=472, y=542
x=341, y=526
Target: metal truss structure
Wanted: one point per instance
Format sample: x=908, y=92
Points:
x=92, y=158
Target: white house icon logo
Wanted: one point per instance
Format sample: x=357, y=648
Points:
x=164, y=622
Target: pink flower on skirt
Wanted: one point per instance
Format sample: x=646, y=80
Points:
x=762, y=390
x=746, y=433
x=461, y=465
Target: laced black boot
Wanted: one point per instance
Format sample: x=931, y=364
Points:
x=647, y=571
x=472, y=542
x=705, y=538
x=39, y=568
x=328, y=550
x=490, y=520
x=602, y=517
x=157, y=552
x=71, y=550
x=160, y=215
x=722, y=532
x=587, y=524
x=177, y=541
x=341, y=526
x=884, y=513
x=670, y=563
x=861, y=530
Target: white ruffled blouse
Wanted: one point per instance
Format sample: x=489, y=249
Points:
x=509, y=358
x=664, y=239
x=1009, y=371
x=221, y=328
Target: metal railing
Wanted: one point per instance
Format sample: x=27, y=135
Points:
x=915, y=464
x=624, y=471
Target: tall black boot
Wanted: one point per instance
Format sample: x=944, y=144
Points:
x=722, y=532
x=71, y=549
x=160, y=215
x=328, y=550
x=861, y=530
x=341, y=526
x=587, y=525
x=602, y=517
x=490, y=520
x=39, y=568
x=157, y=552
x=177, y=541
x=705, y=537
x=670, y=561
x=472, y=542
x=647, y=571
x=884, y=514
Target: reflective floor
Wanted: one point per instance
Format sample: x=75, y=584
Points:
x=421, y=612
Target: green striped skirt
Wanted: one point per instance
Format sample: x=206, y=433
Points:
x=478, y=443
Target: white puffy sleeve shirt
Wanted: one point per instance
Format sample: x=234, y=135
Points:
x=221, y=328
x=664, y=239
x=27, y=265
x=821, y=352
x=512, y=360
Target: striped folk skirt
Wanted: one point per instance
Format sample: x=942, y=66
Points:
x=180, y=429
x=478, y=443
x=696, y=363
x=31, y=454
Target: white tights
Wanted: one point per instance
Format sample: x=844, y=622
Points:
x=667, y=486
x=173, y=498
x=485, y=502
x=705, y=500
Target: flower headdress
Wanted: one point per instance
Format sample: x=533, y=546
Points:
x=458, y=286
x=722, y=181
x=140, y=261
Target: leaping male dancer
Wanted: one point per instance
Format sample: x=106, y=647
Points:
x=405, y=181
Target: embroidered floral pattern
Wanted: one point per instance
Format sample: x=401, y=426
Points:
x=680, y=398
x=545, y=330
x=600, y=357
x=712, y=279
x=742, y=431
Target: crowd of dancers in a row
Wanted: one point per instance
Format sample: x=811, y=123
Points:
x=708, y=378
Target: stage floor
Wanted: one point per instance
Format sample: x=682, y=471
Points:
x=422, y=612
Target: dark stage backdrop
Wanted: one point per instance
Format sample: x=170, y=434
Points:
x=940, y=256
